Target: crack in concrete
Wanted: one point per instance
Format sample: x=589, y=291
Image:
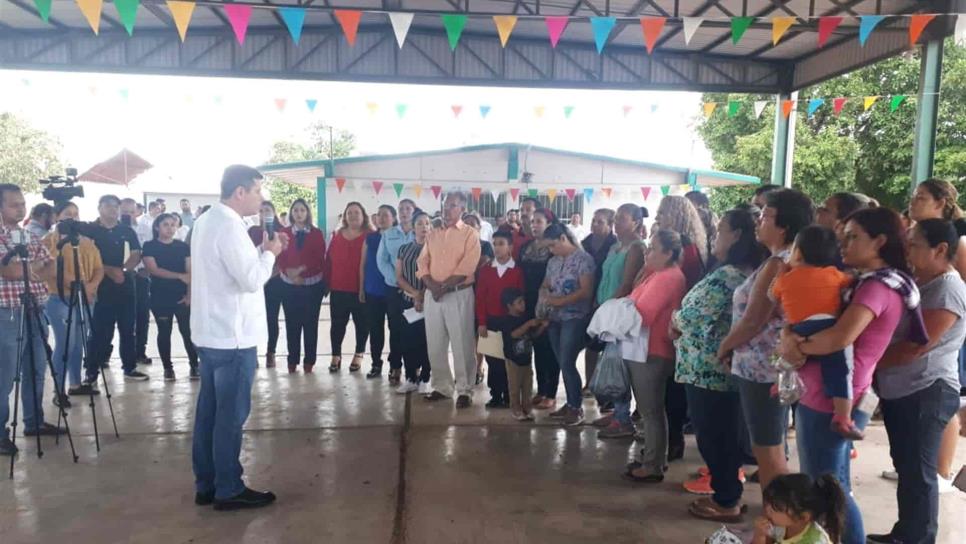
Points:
x=399, y=519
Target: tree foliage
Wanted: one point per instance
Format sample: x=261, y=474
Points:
x=868, y=152
x=26, y=153
x=316, y=146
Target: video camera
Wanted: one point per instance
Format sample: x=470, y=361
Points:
x=62, y=188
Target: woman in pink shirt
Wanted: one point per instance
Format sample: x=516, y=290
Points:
x=656, y=298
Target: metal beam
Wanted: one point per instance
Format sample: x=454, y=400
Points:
x=930, y=79
x=783, y=142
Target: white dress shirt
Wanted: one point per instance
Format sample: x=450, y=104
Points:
x=486, y=231
x=227, y=276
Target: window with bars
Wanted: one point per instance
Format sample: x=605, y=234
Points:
x=562, y=207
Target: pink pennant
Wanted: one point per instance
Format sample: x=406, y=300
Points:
x=606, y=191
x=457, y=110
x=340, y=184
x=280, y=104
x=476, y=193
x=437, y=189
x=377, y=186
x=627, y=110
x=238, y=16
x=646, y=191
x=838, y=104
x=827, y=25
x=514, y=193
x=555, y=27
x=571, y=193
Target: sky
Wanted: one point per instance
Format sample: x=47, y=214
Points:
x=190, y=128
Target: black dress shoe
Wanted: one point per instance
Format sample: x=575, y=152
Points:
x=435, y=396
x=84, y=389
x=249, y=498
x=463, y=401
x=376, y=372
x=61, y=401
x=675, y=451
x=204, y=499
x=882, y=539
x=45, y=429
x=7, y=447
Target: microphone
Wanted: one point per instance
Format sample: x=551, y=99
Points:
x=269, y=227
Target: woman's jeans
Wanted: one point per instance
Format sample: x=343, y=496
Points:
x=717, y=420
x=342, y=304
x=274, y=292
x=649, y=382
x=302, y=305
x=915, y=424
x=823, y=451
x=164, y=316
x=57, y=314
x=566, y=340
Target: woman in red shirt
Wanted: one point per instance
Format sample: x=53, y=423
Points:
x=301, y=266
x=343, y=282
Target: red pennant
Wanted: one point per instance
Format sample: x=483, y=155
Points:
x=606, y=191
x=436, y=190
x=787, y=106
x=349, y=20
x=280, y=104
x=918, y=23
x=652, y=27
x=457, y=110
x=377, y=186
x=571, y=193
x=514, y=193
x=838, y=104
x=340, y=184
x=476, y=193
x=646, y=191
x=627, y=110
x=827, y=25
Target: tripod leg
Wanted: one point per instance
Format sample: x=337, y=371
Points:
x=16, y=394
x=58, y=384
x=86, y=311
x=61, y=390
x=28, y=329
x=85, y=318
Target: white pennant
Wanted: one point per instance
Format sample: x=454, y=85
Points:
x=691, y=25
x=960, y=33
x=400, y=25
x=760, y=107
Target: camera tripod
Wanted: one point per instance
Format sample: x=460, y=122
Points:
x=31, y=328
x=79, y=307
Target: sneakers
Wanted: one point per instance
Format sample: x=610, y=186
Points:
x=144, y=360
x=890, y=475
x=87, y=388
x=573, y=416
x=205, y=499
x=248, y=498
x=603, y=421
x=945, y=484
x=463, y=401
x=169, y=375
x=7, y=447
x=616, y=430
x=700, y=485
x=425, y=388
x=407, y=387
x=559, y=414
x=193, y=374
x=135, y=376
x=61, y=400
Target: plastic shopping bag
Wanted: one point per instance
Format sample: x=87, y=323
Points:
x=789, y=387
x=611, y=381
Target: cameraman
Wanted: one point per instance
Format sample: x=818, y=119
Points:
x=120, y=253
x=13, y=208
x=91, y=274
x=142, y=281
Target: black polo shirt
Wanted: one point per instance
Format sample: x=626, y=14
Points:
x=110, y=243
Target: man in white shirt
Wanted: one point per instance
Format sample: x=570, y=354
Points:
x=576, y=227
x=228, y=322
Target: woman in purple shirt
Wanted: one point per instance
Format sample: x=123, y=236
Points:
x=873, y=246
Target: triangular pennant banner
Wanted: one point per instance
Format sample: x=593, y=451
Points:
x=181, y=12
x=92, y=12
x=760, y=107
x=627, y=110
x=401, y=110
x=476, y=192
x=838, y=104
x=484, y=111
x=691, y=25
x=418, y=190
x=555, y=27
x=897, y=101
x=457, y=110
x=436, y=189
x=43, y=9
x=568, y=110
x=918, y=23
x=552, y=195
x=652, y=27
x=340, y=184
x=665, y=189
x=601, y=27
x=280, y=104
x=571, y=193
x=454, y=25
x=294, y=19
x=779, y=26
x=377, y=186
x=959, y=35
x=738, y=27
x=349, y=21
x=814, y=104
x=400, y=26
x=238, y=17
x=867, y=24
x=125, y=94
x=504, y=26
x=868, y=102
x=588, y=195
x=372, y=107
x=127, y=11
x=787, y=107
x=607, y=191
x=514, y=193
x=310, y=103
x=398, y=187
x=827, y=25
x=733, y=107
x=538, y=111
x=709, y=108
x=646, y=192
x=654, y=107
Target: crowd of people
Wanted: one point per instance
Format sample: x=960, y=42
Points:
x=704, y=312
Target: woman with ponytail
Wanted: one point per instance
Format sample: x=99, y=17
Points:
x=801, y=510
x=534, y=256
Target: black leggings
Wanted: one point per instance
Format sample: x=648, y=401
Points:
x=164, y=317
x=412, y=339
x=376, y=313
x=394, y=310
x=274, y=291
x=548, y=370
x=342, y=304
x=302, y=305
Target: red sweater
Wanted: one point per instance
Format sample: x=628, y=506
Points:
x=348, y=254
x=489, y=289
x=311, y=255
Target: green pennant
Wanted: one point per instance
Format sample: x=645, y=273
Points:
x=897, y=101
x=454, y=28
x=128, y=11
x=665, y=189
x=738, y=27
x=43, y=8
x=567, y=111
x=398, y=187
x=401, y=110
x=532, y=193
x=733, y=107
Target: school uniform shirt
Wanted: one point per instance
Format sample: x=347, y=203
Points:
x=489, y=289
x=306, y=247
x=171, y=257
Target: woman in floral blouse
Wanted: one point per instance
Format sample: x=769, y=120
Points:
x=703, y=321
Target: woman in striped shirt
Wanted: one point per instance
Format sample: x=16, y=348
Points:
x=415, y=354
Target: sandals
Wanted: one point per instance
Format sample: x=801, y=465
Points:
x=356, y=363
x=394, y=376
x=705, y=508
x=335, y=365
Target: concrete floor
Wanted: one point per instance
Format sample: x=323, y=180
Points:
x=353, y=462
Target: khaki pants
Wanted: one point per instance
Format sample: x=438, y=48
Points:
x=520, y=380
x=450, y=320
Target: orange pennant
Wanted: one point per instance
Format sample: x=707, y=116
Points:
x=607, y=191
x=340, y=184
x=918, y=23
x=476, y=193
x=787, y=106
x=349, y=20
x=652, y=27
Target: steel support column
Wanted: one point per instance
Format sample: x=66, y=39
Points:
x=930, y=77
x=783, y=143
x=320, y=207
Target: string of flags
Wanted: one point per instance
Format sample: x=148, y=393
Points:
x=514, y=193
x=652, y=28
x=811, y=105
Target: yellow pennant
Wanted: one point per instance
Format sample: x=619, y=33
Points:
x=538, y=111
x=92, y=12
x=504, y=26
x=869, y=100
x=709, y=109
x=552, y=194
x=372, y=107
x=779, y=26
x=418, y=189
x=181, y=12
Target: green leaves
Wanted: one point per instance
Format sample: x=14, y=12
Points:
x=28, y=154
